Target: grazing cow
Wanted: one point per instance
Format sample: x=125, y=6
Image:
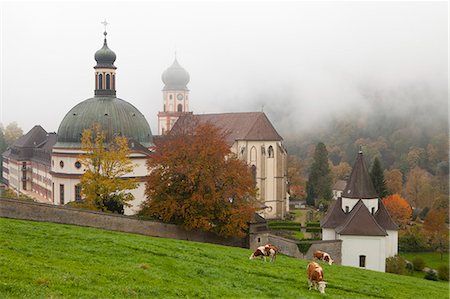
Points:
x=315, y=277
x=323, y=256
x=265, y=251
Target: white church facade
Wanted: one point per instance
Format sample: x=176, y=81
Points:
x=360, y=219
x=46, y=165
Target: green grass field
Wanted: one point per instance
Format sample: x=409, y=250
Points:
x=432, y=259
x=44, y=260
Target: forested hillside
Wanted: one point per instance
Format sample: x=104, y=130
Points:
x=406, y=130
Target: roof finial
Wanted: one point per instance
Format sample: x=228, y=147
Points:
x=105, y=23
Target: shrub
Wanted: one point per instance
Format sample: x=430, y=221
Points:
x=431, y=275
x=412, y=241
x=313, y=224
x=423, y=213
x=395, y=264
x=418, y=263
x=443, y=272
x=409, y=267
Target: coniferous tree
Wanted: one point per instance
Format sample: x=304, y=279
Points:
x=377, y=176
x=320, y=180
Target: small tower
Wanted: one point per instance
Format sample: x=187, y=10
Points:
x=105, y=71
x=175, y=97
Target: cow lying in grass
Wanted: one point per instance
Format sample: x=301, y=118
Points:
x=315, y=277
x=323, y=256
x=265, y=251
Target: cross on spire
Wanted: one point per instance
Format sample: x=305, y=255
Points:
x=105, y=23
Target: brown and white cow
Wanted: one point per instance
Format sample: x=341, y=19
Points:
x=265, y=251
x=321, y=255
x=315, y=277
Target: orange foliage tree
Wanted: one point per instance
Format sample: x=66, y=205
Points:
x=196, y=182
x=398, y=208
x=436, y=229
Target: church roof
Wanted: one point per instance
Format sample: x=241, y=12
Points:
x=383, y=218
x=114, y=115
x=253, y=126
x=340, y=185
x=360, y=222
x=359, y=184
x=335, y=215
x=33, y=138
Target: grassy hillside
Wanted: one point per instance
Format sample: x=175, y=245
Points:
x=41, y=260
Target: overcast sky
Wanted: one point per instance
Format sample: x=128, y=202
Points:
x=302, y=61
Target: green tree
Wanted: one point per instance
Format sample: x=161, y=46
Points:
x=12, y=132
x=376, y=173
x=320, y=179
x=196, y=182
x=103, y=186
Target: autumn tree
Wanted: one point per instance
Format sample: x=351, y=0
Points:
x=103, y=186
x=341, y=171
x=319, y=180
x=297, y=181
x=394, y=181
x=418, y=189
x=437, y=231
x=377, y=176
x=398, y=208
x=196, y=182
x=12, y=132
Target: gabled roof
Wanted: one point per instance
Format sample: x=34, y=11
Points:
x=340, y=185
x=360, y=184
x=335, y=215
x=360, y=222
x=240, y=125
x=383, y=218
x=33, y=138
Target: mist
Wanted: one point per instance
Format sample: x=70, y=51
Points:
x=302, y=63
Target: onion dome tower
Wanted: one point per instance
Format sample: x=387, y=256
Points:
x=115, y=116
x=175, y=96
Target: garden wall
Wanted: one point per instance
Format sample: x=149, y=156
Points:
x=28, y=210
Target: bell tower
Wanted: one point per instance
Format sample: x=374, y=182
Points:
x=175, y=97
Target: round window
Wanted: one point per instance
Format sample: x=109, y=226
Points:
x=78, y=164
x=61, y=163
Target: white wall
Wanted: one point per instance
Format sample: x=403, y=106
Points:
x=374, y=248
x=328, y=234
x=351, y=202
x=391, y=243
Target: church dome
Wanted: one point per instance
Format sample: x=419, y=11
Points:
x=175, y=77
x=115, y=116
x=105, y=57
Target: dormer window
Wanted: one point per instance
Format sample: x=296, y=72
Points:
x=373, y=210
x=347, y=209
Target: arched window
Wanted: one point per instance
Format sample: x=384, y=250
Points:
x=253, y=154
x=362, y=261
x=253, y=170
x=77, y=192
x=108, y=81
x=100, y=81
x=347, y=209
x=180, y=108
x=170, y=97
x=113, y=82
x=373, y=210
x=164, y=107
x=270, y=150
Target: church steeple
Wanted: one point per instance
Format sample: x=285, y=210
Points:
x=175, y=96
x=105, y=71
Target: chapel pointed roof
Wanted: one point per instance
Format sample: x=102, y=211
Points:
x=383, y=218
x=361, y=222
x=335, y=215
x=360, y=184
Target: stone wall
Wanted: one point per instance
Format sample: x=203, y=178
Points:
x=27, y=210
x=290, y=248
